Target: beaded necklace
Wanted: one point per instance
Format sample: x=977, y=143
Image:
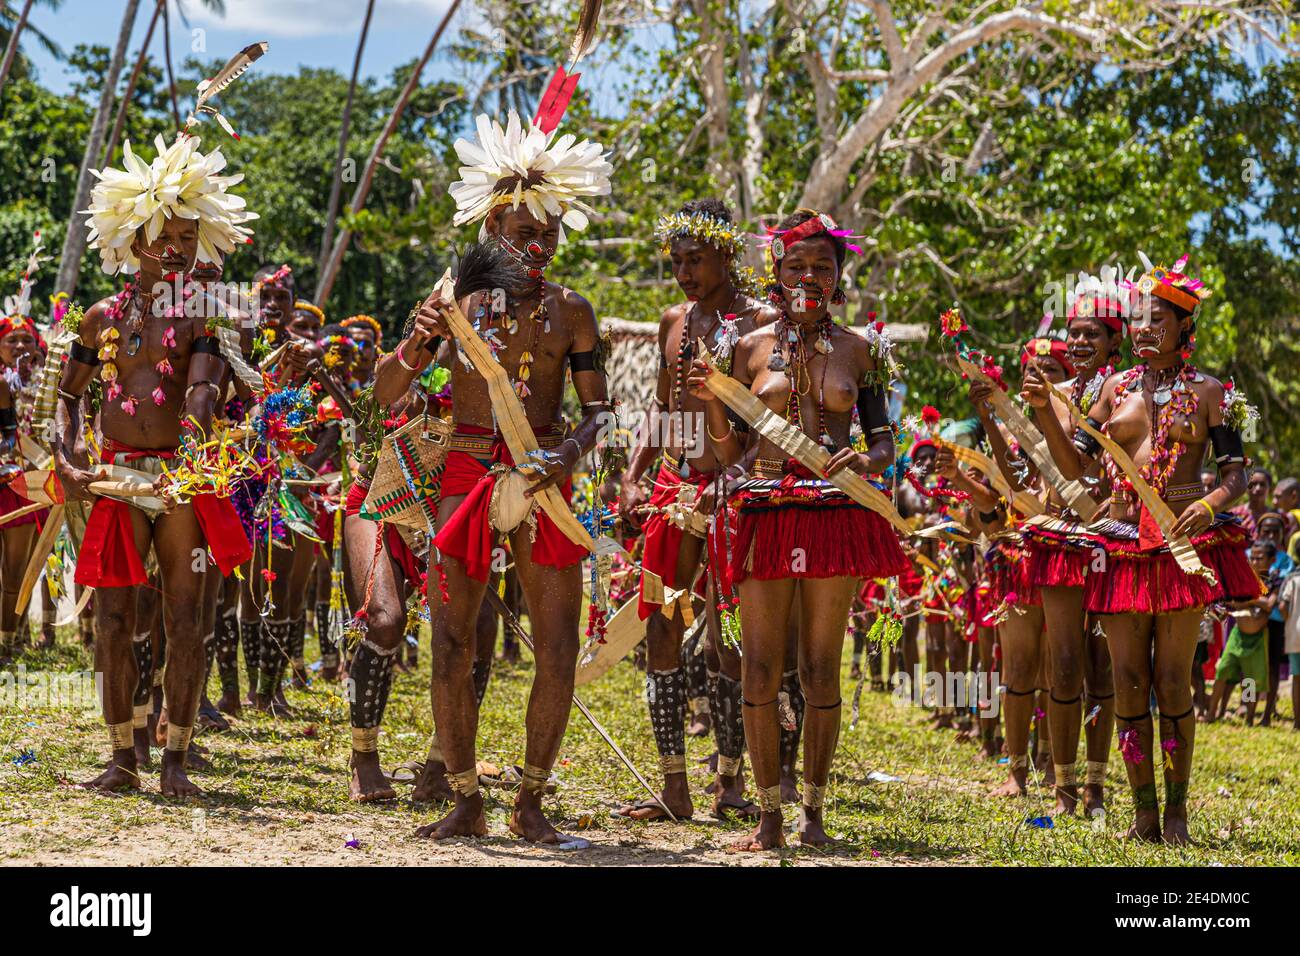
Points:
x=790, y=355
x=119, y=308
x=1172, y=397
x=539, y=321
x=686, y=346
x=1084, y=393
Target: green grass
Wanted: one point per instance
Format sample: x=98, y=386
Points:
x=280, y=788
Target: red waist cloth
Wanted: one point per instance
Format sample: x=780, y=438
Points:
x=108, y=556
x=467, y=535
x=398, y=549
x=11, y=501
x=663, y=539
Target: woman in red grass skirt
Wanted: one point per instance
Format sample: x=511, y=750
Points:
x=1060, y=552
x=797, y=536
x=1163, y=412
x=22, y=353
x=1006, y=601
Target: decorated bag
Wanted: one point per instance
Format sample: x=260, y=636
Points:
x=404, y=488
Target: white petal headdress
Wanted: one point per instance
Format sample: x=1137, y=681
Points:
x=548, y=175
x=181, y=181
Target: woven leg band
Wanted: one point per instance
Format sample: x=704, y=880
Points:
x=140, y=716
x=674, y=763
x=535, y=778
x=1095, y=773
x=728, y=766
x=121, y=735
x=769, y=799
x=464, y=783
x=1019, y=761
x=1065, y=775
x=178, y=738
x=814, y=797
x=365, y=739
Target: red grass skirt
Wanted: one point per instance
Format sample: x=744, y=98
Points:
x=11, y=501
x=1059, y=553
x=1151, y=582
x=808, y=528
x=1007, y=568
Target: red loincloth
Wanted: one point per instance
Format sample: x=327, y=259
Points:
x=467, y=536
x=11, y=501
x=663, y=539
x=108, y=557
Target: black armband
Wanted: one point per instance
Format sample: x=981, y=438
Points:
x=988, y=517
x=738, y=423
x=433, y=345
x=208, y=345
x=83, y=354
x=872, y=413
x=582, y=361
x=8, y=419
x=1086, y=444
x=1227, y=445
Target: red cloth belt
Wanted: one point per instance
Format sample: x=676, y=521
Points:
x=663, y=539
x=467, y=535
x=398, y=549
x=109, y=558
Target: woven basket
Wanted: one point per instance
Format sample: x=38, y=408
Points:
x=404, y=488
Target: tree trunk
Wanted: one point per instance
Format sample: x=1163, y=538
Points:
x=11, y=51
x=74, y=244
x=120, y=121
x=332, y=211
x=326, y=282
x=167, y=57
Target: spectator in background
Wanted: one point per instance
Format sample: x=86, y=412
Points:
x=1289, y=601
x=1286, y=499
x=1271, y=526
x=1259, y=489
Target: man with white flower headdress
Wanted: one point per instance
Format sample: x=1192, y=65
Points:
x=525, y=186
x=160, y=367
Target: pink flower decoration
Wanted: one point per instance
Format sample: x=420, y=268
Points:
x=128, y=405
x=169, y=337
x=1129, y=746
x=114, y=390
x=1012, y=597
x=164, y=367
x=158, y=395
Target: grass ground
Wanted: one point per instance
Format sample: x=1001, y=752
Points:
x=278, y=792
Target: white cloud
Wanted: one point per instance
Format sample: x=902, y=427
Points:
x=308, y=18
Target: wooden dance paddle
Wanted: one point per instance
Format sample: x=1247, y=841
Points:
x=1180, y=547
x=795, y=443
x=1021, y=500
x=1033, y=444
x=44, y=487
x=510, y=415
x=40, y=551
x=624, y=632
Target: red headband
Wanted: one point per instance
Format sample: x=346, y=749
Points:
x=1105, y=310
x=781, y=241
x=1055, y=348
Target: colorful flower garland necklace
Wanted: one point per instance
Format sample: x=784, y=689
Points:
x=119, y=308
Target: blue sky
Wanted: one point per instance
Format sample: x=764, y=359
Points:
x=301, y=32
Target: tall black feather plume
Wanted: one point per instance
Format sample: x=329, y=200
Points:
x=485, y=266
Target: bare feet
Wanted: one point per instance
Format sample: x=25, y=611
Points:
x=811, y=830
x=431, y=786
x=768, y=835
x=988, y=751
x=1094, y=798
x=1014, y=786
x=174, y=782
x=855, y=671
x=528, y=821
x=276, y=708
x=465, y=820
x=210, y=718
x=229, y=703
x=676, y=796
x=1175, y=831
x=1067, y=801
x=1146, y=826
x=120, y=775
x=700, y=726
x=143, y=758
x=195, y=760
x=368, y=781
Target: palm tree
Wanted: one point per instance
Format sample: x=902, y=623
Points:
x=19, y=22
x=120, y=121
x=74, y=244
x=332, y=212
x=331, y=271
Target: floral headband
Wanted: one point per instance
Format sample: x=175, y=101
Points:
x=276, y=278
x=366, y=321
x=1053, y=348
x=718, y=233
x=1171, y=284
x=308, y=307
x=335, y=347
